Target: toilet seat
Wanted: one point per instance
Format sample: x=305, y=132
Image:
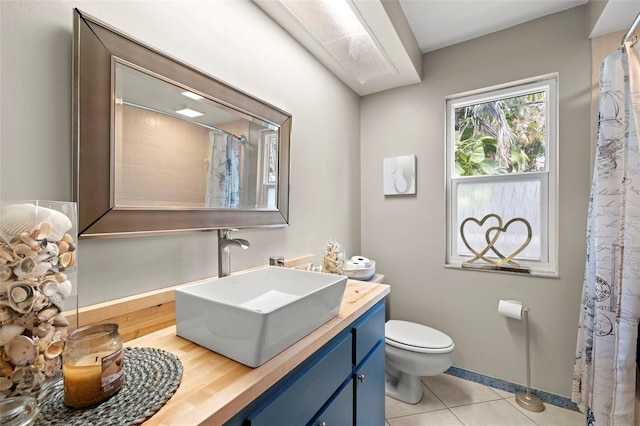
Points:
x=416, y=337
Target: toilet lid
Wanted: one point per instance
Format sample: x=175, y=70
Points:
x=416, y=337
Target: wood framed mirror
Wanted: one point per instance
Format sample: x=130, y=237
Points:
x=143, y=167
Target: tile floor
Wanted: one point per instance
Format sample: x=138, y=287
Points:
x=452, y=401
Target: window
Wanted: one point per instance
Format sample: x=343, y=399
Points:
x=268, y=169
x=501, y=157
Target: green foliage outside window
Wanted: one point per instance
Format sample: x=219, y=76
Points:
x=502, y=136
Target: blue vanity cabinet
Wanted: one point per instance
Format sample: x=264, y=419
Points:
x=367, y=331
x=304, y=394
x=368, y=361
x=369, y=389
x=366, y=399
x=339, y=409
x=341, y=384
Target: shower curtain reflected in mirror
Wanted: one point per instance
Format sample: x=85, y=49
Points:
x=605, y=368
x=223, y=179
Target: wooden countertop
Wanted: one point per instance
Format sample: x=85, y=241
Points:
x=215, y=388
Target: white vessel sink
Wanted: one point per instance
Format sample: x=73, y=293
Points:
x=251, y=317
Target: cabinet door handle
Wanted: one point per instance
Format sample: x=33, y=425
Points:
x=322, y=424
x=361, y=378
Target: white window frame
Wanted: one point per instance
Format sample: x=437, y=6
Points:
x=547, y=266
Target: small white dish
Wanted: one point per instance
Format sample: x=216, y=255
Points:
x=357, y=272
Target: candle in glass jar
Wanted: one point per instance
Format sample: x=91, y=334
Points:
x=93, y=364
x=83, y=381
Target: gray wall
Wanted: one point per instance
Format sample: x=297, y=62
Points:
x=406, y=234
x=232, y=40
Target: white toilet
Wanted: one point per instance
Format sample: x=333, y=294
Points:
x=411, y=352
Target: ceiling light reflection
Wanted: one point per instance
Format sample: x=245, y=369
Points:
x=191, y=113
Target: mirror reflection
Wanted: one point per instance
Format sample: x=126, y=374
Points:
x=177, y=148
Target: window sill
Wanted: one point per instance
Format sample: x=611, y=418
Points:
x=539, y=273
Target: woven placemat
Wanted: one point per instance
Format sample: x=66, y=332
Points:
x=151, y=377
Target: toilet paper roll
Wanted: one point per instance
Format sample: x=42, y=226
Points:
x=350, y=264
x=510, y=308
x=360, y=259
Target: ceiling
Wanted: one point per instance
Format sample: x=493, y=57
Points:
x=405, y=29
x=441, y=23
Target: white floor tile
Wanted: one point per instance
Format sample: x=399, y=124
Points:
x=493, y=413
x=395, y=408
x=432, y=418
x=552, y=416
x=454, y=391
x=452, y=401
x=504, y=394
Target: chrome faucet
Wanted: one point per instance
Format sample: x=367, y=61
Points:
x=224, y=245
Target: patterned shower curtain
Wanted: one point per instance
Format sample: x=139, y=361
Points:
x=223, y=181
x=605, y=368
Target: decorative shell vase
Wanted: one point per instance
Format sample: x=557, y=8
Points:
x=333, y=258
x=38, y=274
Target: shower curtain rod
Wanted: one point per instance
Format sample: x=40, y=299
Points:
x=629, y=33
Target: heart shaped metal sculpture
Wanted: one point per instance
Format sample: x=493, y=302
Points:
x=492, y=234
x=490, y=242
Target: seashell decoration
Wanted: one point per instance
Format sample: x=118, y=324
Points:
x=9, y=331
x=5, y=384
x=19, y=219
x=333, y=257
x=54, y=350
x=37, y=253
x=21, y=351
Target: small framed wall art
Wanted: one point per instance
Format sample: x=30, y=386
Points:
x=400, y=175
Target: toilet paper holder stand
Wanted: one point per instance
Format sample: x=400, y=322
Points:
x=525, y=399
